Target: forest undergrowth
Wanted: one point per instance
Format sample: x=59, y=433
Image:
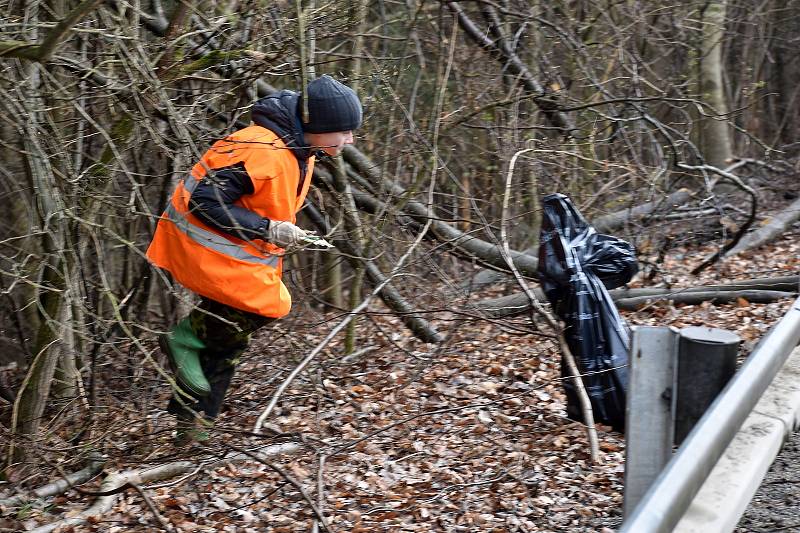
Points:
x=470, y=435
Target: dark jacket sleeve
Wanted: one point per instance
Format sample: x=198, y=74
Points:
x=212, y=202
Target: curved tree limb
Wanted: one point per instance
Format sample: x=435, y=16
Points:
x=555, y=325
x=739, y=234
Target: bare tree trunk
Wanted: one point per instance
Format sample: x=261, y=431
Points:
x=360, y=15
x=35, y=389
x=34, y=392
x=66, y=379
x=714, y=134
x=332, y=279
x=355, y=233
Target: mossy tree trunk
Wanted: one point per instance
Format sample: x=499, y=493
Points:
x=50, y=210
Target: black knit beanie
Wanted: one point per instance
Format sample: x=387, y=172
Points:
x=332, y=106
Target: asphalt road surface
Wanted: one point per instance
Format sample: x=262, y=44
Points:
x=776, y=505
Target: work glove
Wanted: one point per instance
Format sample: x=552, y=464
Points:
x=284, y=234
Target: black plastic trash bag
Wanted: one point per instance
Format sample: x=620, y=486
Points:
x=577, y=265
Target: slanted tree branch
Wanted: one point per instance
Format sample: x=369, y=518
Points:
x=421, y=328
x=43, y=51
x=485, y=252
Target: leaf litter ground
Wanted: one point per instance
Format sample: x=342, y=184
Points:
x=470, y=436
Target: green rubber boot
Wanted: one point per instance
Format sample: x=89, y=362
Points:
x=181, y=346
x=192, y=431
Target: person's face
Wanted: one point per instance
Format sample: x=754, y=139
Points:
x=331, y=143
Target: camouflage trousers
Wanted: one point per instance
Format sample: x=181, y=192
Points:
x=225, y=331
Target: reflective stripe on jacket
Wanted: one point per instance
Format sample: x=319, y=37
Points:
x=240, y=273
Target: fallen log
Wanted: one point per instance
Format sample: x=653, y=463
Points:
x=116, y=482
x=605, y=224
x=613, y=221
x=780, y=283
x=772, y=228
x=94, y=466
x=756, y=290
x=696, y=297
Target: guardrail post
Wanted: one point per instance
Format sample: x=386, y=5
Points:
x=649, y=418
x=666, y=501
x=706, y=362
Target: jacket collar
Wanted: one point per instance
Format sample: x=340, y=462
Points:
x=278, y=113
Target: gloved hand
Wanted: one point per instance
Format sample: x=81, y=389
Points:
x=284, y=234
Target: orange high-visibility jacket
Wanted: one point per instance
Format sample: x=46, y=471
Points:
x=244, y=274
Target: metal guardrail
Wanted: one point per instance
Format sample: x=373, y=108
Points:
x=665, y=503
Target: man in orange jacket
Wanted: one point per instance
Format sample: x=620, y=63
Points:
x=224, y=232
